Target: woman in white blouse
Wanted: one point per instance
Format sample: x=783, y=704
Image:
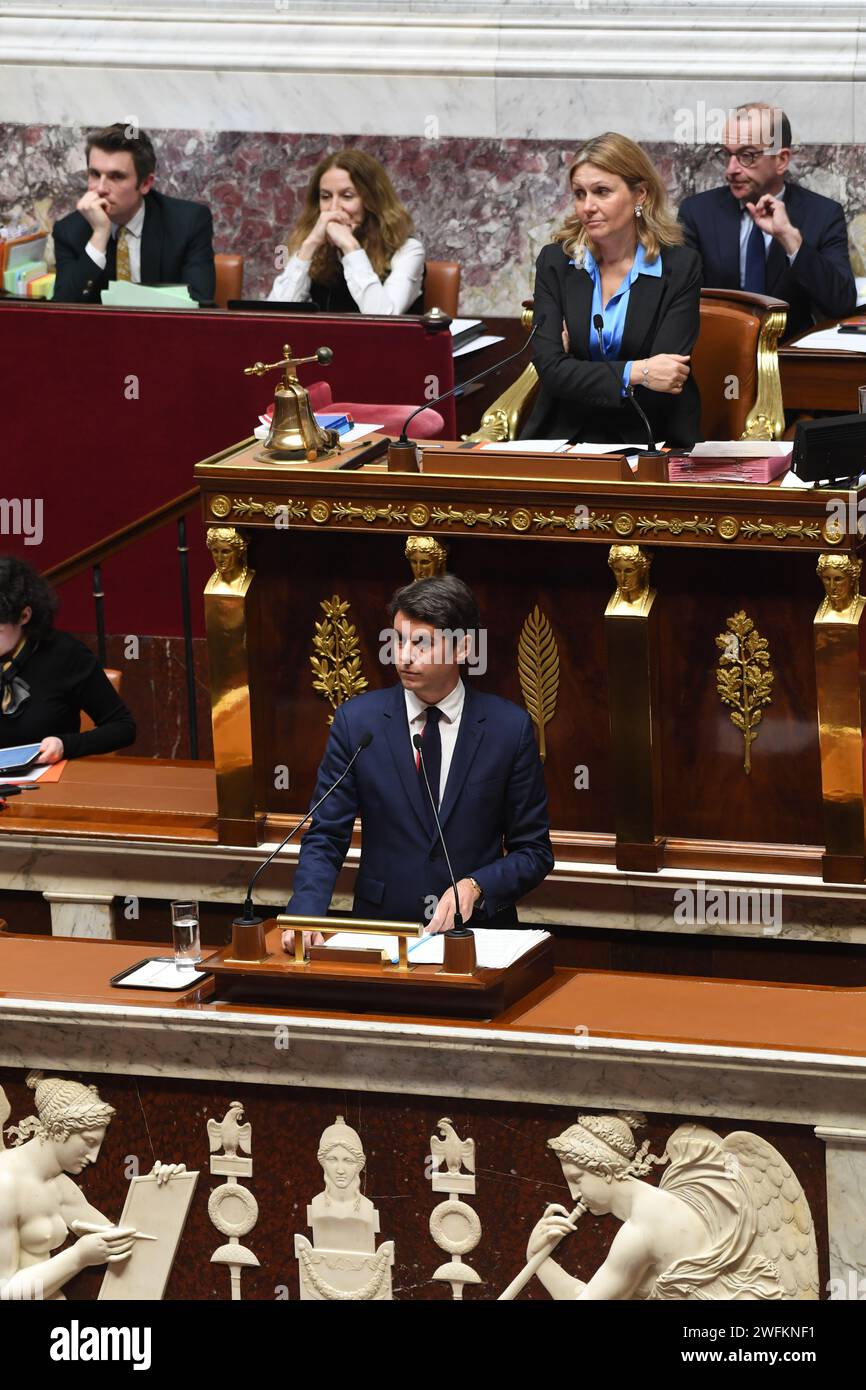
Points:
x=352, y=251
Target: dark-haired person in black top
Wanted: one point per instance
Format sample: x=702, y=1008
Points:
x=47, y=678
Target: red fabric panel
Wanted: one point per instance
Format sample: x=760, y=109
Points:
x=106, y=411
x=428, y=425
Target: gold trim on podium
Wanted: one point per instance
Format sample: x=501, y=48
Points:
x=840, y=672
x=631, y=635
x=358, y=926
x=226, y=611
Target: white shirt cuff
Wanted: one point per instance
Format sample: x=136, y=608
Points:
x=98, y=257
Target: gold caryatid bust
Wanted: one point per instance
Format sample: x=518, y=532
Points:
x=840, y=575
x=630, y=567
x=229, y=553
x=427, y=556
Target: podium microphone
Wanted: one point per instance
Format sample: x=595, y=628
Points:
x=404, y=442
x=458, y=929
x=248, y=918
x=598, y=325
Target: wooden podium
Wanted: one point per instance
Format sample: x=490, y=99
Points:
x=740, y=771
x=343, y=981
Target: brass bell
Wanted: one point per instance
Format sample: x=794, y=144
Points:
x=294, y=432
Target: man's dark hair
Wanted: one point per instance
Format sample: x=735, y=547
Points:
x=113, y=138
x=443, y=601
x=21, y=586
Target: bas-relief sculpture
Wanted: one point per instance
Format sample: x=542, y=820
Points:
x=342, y=1264
x=427, y=557
x=229, y=553
x=231, y=1207
x=840, y=575
x=727, y=1221
x=40, y=1204
x=454, y=1225
x=631, y=566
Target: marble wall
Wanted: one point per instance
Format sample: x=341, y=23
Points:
x=488, y=203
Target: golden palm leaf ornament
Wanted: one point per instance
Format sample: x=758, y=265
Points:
x=538, y=668
x=336, y=661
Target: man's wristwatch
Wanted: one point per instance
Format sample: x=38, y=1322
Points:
x=477, y=886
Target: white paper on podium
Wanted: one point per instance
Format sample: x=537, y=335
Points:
x=495, y=947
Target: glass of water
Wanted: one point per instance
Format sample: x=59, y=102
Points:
x=185, y=933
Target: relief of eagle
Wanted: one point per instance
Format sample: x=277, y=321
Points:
x=453, y=1149
x=229, y=1134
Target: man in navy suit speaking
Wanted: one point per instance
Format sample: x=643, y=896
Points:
x=766, y=234
x=482, y=763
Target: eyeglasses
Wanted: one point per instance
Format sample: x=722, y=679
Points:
x=747, y=157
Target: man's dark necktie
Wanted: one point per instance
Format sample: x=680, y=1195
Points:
x=432, y=753
x=755, y=261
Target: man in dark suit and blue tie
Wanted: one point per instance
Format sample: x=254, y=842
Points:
x=123, y=229
x=482, y=763
x=768, y=235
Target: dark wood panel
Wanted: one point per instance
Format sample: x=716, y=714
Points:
x=704, y=787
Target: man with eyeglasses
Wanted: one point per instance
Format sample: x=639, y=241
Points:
x=766, y=234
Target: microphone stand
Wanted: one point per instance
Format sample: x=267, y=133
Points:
x=459, y=953
x=248, y=932
x=402, y=452
x=652, y=465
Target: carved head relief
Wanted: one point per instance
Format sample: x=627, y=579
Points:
x=69, y=1116
x=229, y=553
x=427, y=556
x=342, y=1159
x=630, y=567
x=597, y=1152
x=840, y=575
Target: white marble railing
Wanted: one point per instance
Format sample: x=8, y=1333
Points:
x=507, y=69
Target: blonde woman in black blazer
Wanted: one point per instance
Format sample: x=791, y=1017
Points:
x=617, y=300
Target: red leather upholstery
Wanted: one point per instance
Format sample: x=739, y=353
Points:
x=428, y=425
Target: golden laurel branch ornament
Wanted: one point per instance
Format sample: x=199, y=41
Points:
x=336, y=661
x=743, y=677
x=538, y=668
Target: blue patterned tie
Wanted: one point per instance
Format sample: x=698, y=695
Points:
x=755, y=261
x=432, y=752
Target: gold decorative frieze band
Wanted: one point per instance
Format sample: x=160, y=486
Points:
x=676, y=525
x=524, y=519
x=578, y=520
x=743, y=678
x=798, y=530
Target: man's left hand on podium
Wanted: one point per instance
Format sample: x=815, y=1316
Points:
x=443, y=918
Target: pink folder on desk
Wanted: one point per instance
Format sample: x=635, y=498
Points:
x=724, y=470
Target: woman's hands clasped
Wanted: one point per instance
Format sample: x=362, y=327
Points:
x=331, y=226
